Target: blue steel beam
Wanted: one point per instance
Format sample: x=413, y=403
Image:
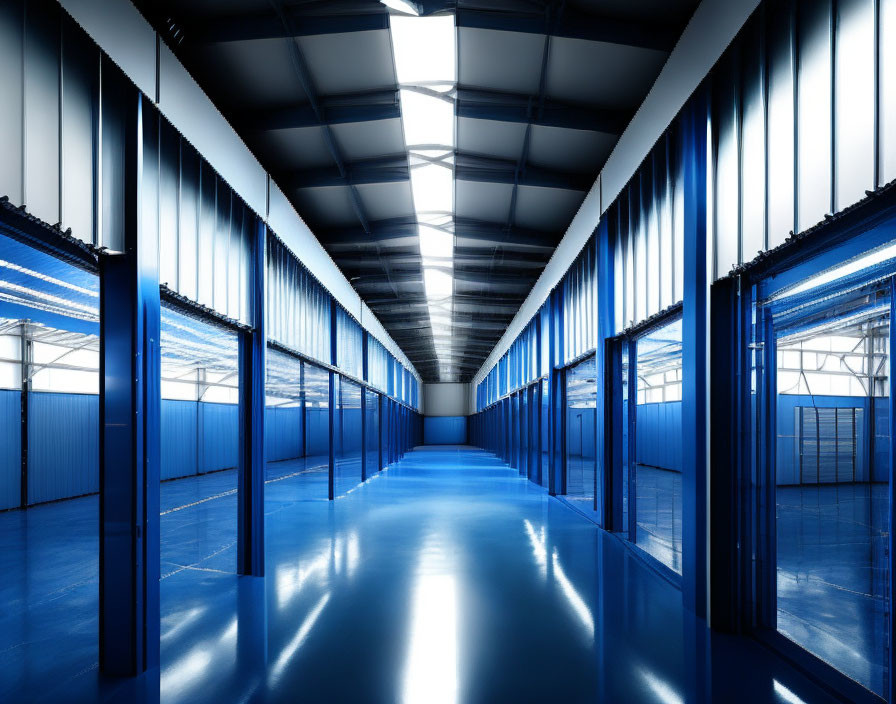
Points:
x=492, y=233
x=369, y=15
x=512, y=107
x=367, y=106
x=468, y=167
x=571, y=24
x=331, y=405
x=363, y=16
x=250, y=480
x=695, y=359
x=471, y=103
x=130, y=415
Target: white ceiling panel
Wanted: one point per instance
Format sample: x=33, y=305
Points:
x=482, y=201
x=548, y=209
x=507, y=61
x=575, y=151
x=383, y=201
x=488, y=137
x=326, y=207
x=292, y=148
x=350, y=62
x=362, y=140
x=610, y=75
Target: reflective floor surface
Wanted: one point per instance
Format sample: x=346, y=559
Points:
x=832, y=575
x=448, y=578
x=658, y=519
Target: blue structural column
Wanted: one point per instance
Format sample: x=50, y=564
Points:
x=250, y=477
x=364, y=467
x=604, y=311
x=891, y=555
x=331, y=406
x=695, y=358
x=130, y=402
x=557, y=390
x=381, y=430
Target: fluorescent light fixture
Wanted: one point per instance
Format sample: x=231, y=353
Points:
x=400, y=6
x=424, y=49
x=427, y=121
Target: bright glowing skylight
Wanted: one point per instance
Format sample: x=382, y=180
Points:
x=424, y=49
x=426, y=66
x=438, y=283
x=435, y=243
x=428, y=121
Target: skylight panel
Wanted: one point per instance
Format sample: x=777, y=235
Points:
x=426, y=69
x=433, y=189
x=427, y=120
x=424, y=49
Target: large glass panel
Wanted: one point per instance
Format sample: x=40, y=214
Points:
x=832, y=456
x=655, y=496
x=316, y=393
x=49, y=359
x=283, y=421
x=543, y=428
x=581, y=399
x=347, y=434
x=199, y=443
x=372, y=433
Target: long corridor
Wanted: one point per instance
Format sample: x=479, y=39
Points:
x=447, y=578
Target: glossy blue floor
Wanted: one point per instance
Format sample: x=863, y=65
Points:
x=448, y=578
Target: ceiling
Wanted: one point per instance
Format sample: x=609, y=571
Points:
x=543, y=91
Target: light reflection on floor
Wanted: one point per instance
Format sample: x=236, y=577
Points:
x=450, y=578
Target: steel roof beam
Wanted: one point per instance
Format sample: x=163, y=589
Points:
x=572, y=24
x=468, y=167
x=466, y=231
x=471, y=167
x=334, y=110
x=363, y=16
x=520, y=108
x=382, y=169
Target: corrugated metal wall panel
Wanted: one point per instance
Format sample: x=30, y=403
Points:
x=282, y=433
x=179, y=458
x=10, y=448
x=219, y=430
x=658, y=435
x=63, y=446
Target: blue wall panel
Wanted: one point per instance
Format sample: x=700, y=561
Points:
x=318, y=435
x=179, y=458
x=445, y=430
x=220, y=436
x=10, y=448
x=63, y=446
x=787, y=467
x=658, y=435
x=282, y=433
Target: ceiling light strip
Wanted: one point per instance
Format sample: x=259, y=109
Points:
x=425, y=63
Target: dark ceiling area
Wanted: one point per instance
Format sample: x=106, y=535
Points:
x=544, y=90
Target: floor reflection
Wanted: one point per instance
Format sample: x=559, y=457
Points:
x=449, y=579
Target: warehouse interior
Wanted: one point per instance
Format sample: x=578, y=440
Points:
x=447, y=350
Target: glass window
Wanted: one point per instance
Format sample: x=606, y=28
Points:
x=831, y=473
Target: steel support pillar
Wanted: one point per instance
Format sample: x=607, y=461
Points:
x=695, y=360
x=129, y=406
x=364, y=375
x=250, y=480
x=331, y=406
x=604, y=311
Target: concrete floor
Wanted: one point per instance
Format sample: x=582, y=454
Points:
x=448, y=578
